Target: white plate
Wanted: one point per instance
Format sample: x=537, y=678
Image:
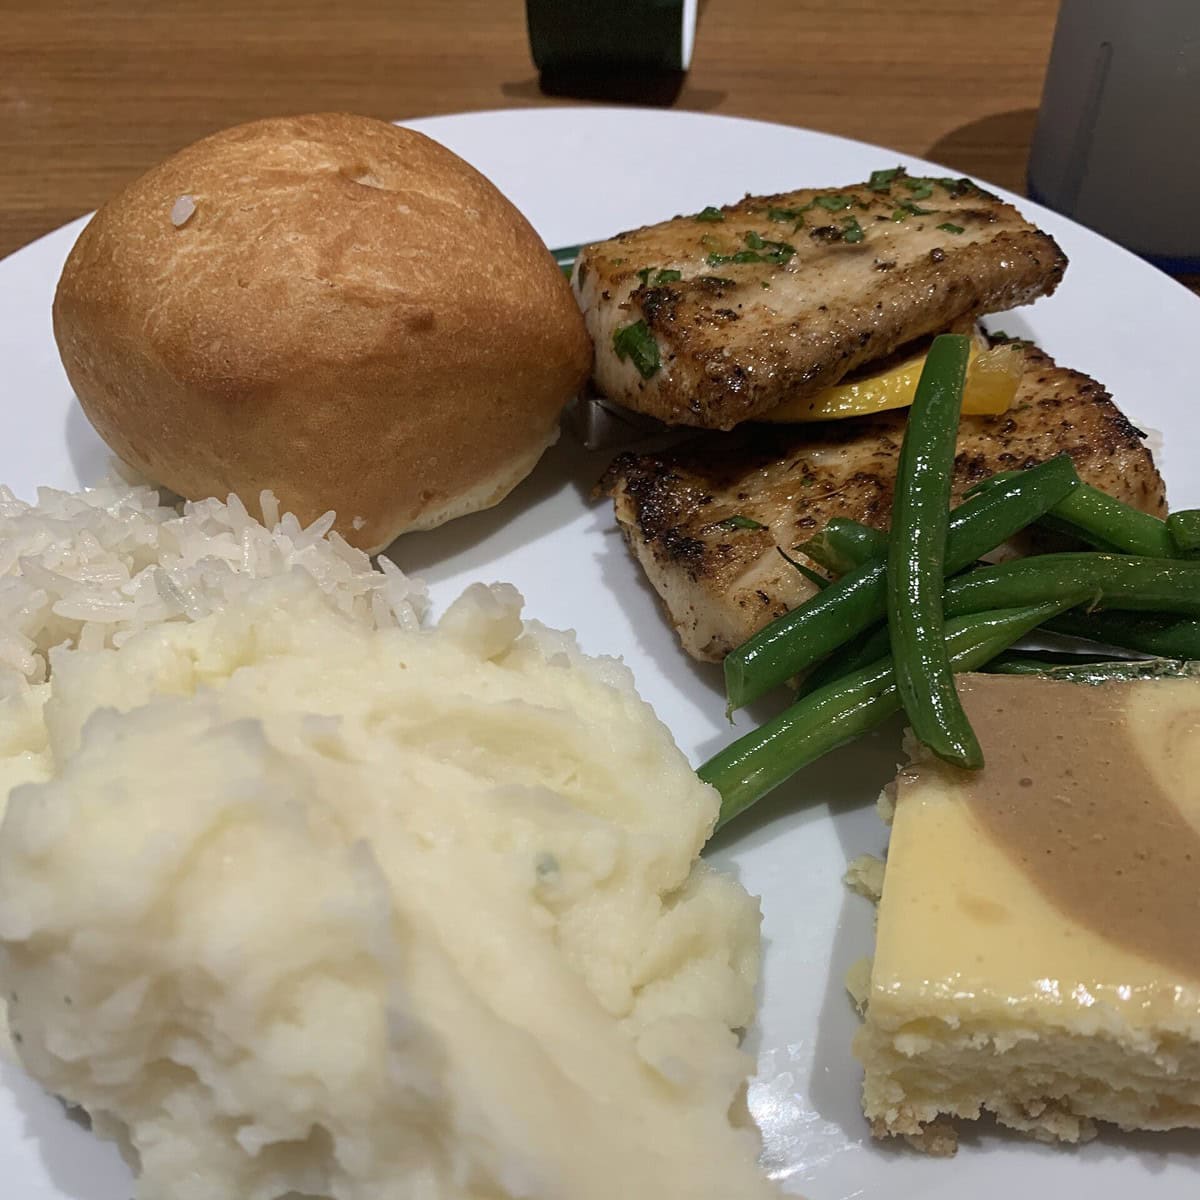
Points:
x=580, y=174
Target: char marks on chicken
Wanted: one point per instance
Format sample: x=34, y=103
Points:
x=713, y=319
x=722, y=579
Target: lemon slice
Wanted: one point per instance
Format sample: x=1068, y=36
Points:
x=992, y=379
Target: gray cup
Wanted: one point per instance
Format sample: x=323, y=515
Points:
x=1117, y=133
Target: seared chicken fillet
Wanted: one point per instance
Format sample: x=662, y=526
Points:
x=713, y=319
x=689, y=514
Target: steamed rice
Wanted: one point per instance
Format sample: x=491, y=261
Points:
x=88, y=570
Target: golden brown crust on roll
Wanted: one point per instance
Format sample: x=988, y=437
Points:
x=351, y=315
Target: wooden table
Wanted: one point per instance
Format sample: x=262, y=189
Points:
x=92, y=93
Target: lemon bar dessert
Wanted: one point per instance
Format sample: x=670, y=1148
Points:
x=1038, y=944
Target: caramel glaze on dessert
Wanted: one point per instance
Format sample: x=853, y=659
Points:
x=1106, y=842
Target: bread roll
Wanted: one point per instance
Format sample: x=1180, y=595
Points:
x=328, y=306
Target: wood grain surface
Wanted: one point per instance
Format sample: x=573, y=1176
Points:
x=92, y=93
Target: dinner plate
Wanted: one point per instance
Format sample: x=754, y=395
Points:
x=581, y=174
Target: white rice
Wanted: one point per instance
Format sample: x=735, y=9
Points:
x=90, y=569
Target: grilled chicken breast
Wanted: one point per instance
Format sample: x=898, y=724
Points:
x=689, y=514
x=712, y=319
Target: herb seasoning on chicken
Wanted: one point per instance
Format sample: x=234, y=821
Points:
x=715, y=318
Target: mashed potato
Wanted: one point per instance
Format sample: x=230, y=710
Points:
x=291, y=902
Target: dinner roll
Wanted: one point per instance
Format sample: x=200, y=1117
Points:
x=328, y=306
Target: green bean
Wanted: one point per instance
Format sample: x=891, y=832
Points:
x=808, y=633
x=1108, y=524
x=1184, y=528
x=917, y=557
x=1166, y=636
x=851, y=604
x=1124, y=581
x=1101, y=520
x=1147, y=633
x=750, y=767
x=867, y=647
x=1039, y=662
x=1075, y=536
x=844, y=544
x=1103, y=671
x=990, y=484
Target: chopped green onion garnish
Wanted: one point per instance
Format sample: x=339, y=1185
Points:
x=737, y=521
x=881, y=180
x=920, y=188
x=638, y=344
x=764, y=251
x=950, y=227
x=834, y=203
x=820, y=582
x=740, y=256
x=956, y=187
x=788, y=214
x=710, y=213
x=851, y=230
x=907, y=208
x=648, y=275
